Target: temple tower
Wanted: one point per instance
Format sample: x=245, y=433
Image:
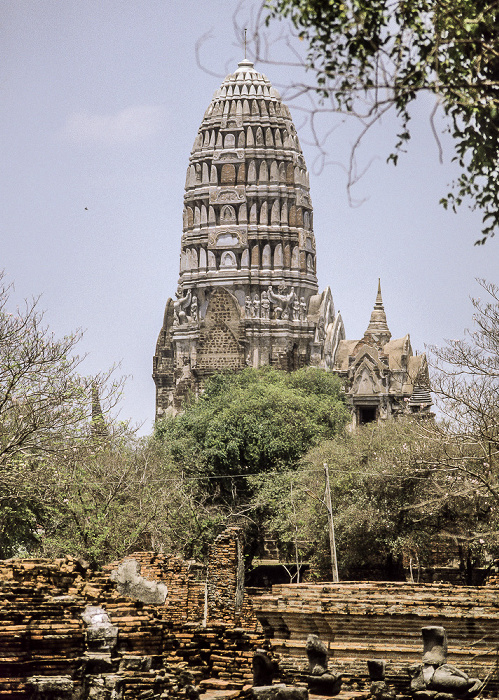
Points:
x=247, y=291
x=383, y=378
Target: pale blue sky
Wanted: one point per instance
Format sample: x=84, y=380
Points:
x=100, y=104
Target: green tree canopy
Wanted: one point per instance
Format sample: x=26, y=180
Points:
x=399, y=493
x=254, y=421
x=248, y=424
x=373, y=55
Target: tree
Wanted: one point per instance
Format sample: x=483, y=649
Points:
x=371, y=56
x=396, y=499
x=249, y=424
x=45, y=413
x=117, y=494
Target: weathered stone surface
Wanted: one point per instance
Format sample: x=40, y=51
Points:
x=132, y=584
x=434, y=645
x=53, y=688
x=279, y=692
x=264, y=668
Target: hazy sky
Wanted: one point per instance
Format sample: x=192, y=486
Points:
x=100, y=104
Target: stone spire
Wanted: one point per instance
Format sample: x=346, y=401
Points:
x=247, y=289
x=377, y=329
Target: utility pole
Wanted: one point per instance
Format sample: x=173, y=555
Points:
x=334, y=561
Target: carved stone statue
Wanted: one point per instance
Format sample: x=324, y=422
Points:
x=248, y=307
x=296, y=309
x=320, y=680
x=265, y=305
x=256, y=306
x=194, y=309
x=281, y=301
x=434, y=676
x=264, y=668
x=303, y=309
x=179, y=305
x=379, y=687
x=320, y=331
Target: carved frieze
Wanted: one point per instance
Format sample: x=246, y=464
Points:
x=303, y=199
x=228, y=237
x=307, y=240
x=231, y=156
x=219, y=195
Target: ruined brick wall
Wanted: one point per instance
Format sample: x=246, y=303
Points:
x=359, y=621
x=43, y=637
x=43, y=634
x=225, y=581
x=186, y=583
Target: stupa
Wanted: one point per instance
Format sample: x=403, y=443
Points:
x=247, y=292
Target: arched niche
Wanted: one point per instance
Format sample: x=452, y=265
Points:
x=284, y=213
x=228, y=259
x=206, y=174
x=266, y=257
x=252, y=172
x=243, y=214
x=264, y=214
x=275, y=219
x=253, y=214
x=202, y=259
x=278, y=257
x=228, y=175
x=212, y=262
x=241, y=174
x=227, y=214
x=204, y=215
x=194, y=259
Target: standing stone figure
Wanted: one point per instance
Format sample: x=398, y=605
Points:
x=265, y=305
x=194, y=308
x=179, y=306
x=256, y=306
x=248, y=307
x=303, y=309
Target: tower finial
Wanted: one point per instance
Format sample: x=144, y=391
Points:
x=245, y=44
x=378, y=327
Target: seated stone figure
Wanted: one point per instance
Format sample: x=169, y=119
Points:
x=435, y=677
x=264, y=668
x=379, y=688
x=320, y=680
